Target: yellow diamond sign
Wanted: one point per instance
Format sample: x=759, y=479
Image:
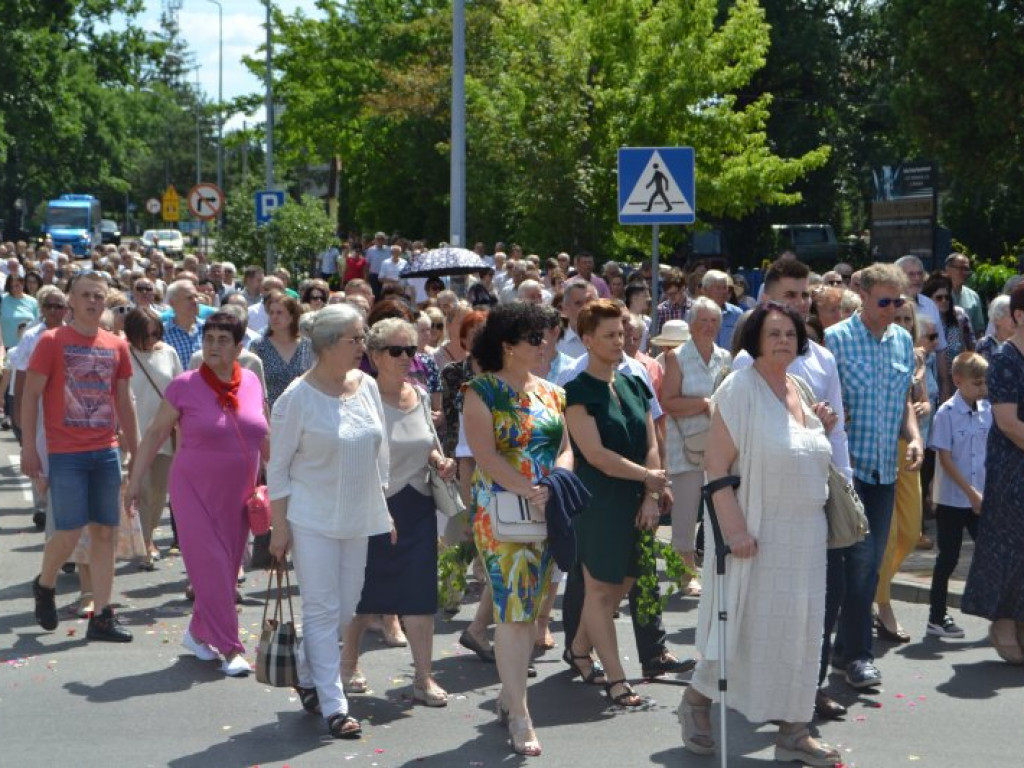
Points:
x=171, y=205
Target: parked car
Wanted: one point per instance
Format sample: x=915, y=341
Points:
x=170, y=241
x=814, y=244
x=110, y=232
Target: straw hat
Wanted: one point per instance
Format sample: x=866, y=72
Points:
x=673, y=333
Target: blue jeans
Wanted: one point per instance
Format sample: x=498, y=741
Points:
x=85, y=487
x=862, y=562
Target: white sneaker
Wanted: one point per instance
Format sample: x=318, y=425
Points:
x=237, y=667
x=199, y=649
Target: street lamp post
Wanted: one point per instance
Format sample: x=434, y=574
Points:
x=220, y=92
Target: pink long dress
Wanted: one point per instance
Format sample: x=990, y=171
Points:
x=210, y=480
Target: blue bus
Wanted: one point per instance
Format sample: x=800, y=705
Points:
x=74, y=220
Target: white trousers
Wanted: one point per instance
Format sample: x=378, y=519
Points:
x=330, y=573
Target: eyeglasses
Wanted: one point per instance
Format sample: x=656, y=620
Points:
x=437, y=326
x=396, y=350
x=940, y=297
x=932, y=336
x=357, y=340
x=887, y=302
x=534, y=338
x=61, y=307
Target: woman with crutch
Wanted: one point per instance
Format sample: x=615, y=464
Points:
x=775, y=528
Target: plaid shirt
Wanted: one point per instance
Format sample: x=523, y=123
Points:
x=185, y=343
x=876, y=377
x=669, y=311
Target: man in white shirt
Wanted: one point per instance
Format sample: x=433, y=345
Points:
x=390, y=270
x=258, y=318
x=376, y=255
x=516, y=276
x=786, y=282
x=574, y=297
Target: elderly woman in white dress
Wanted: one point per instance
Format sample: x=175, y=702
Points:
x=691, y=372
x=764, y=431
x=326, y=478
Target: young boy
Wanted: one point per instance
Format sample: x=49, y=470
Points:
x=959, y=435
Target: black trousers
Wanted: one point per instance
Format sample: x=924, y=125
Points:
x=650, y=638
x=950, y=523
x=835, y=586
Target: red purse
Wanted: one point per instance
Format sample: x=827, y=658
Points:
x=257, y=506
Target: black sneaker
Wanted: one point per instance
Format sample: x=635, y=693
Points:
x=46, y=605
x=945, y=628
x=107, y=627
x=39, y=519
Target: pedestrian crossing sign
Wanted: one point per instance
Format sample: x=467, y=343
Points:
x=656, y=185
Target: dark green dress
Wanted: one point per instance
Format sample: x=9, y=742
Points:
x=606, y=532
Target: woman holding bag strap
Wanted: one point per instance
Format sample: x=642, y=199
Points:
x=154, y=366
x=223, y=432
x=516, y=434
x=691, y=371
x=401, y=578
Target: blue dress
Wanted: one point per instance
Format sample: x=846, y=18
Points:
x=995, y=583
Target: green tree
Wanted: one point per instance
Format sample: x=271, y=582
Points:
x=299, y=231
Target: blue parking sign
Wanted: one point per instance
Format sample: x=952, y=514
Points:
x=267, y=203
x=656, y=185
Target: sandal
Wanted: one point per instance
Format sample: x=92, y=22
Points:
x=344, y=726
x=596, y=670
x=801, y=748
x=628, y=697
x=309, y=698
x=426, y=691
x=522, y=737
x=696, y=739
x=355, y=682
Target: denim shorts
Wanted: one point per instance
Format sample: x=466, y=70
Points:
x=85, y=488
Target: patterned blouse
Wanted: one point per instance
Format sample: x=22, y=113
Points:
x=277, y=372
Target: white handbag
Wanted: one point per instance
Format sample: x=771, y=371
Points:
x=513, y=519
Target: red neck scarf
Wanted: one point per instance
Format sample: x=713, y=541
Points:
x=227, y=391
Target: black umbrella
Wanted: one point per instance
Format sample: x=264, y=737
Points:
x=446, y=260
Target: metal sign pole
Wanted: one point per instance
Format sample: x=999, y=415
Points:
x=655, y=283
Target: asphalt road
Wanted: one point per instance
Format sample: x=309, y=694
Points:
x=67, y=702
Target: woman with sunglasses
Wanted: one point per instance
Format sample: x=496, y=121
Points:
x=956, y=324
x=401, y=576
x=315, y=295
x=154, y=366
x=515, y=432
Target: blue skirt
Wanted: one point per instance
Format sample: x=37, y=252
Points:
x=402, y=578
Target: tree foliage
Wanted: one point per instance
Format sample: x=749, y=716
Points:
x=553, y=89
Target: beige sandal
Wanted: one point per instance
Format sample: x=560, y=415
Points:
x=801, y=748
x=696, y=739
x=522, y=737
x=427, y=692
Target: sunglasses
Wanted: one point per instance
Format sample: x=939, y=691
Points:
x=534, y=338
x=883, y=303
x=834, y=282
x=143, y=288
x=124, y=309
x=396, y=350
x=932, y=336
x=55, y=306
x=437, y=326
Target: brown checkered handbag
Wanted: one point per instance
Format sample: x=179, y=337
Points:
x=276, y=663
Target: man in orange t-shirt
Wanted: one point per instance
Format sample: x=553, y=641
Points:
x=83, y=374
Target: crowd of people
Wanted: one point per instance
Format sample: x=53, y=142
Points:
x=137, y=383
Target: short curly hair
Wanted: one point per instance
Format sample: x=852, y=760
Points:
x=506, y=324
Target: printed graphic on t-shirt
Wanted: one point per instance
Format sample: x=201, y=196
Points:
x=88, y=376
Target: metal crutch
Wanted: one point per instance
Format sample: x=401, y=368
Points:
x=721, y=552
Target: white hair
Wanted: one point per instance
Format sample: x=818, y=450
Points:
x=527, y=285
x=850, y=302
x=714, y=277
x=329, y=324
x=909, y=260
x=703, y=303
x=999, y=308
x=175, y=288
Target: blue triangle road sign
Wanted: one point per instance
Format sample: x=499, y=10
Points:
x=656, y=185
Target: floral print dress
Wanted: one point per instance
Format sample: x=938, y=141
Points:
x=528, y=431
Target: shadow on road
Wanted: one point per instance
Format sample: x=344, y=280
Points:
x=184, y=674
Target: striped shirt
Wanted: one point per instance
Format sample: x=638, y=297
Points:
x=876, y=377
x=185, y=343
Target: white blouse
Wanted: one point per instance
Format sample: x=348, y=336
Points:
x=698, y=380
x=329, y=458
x=162, y=365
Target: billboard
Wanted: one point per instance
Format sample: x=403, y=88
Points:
x=904, y=211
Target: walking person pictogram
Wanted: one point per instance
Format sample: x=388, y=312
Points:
x=659, y=181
